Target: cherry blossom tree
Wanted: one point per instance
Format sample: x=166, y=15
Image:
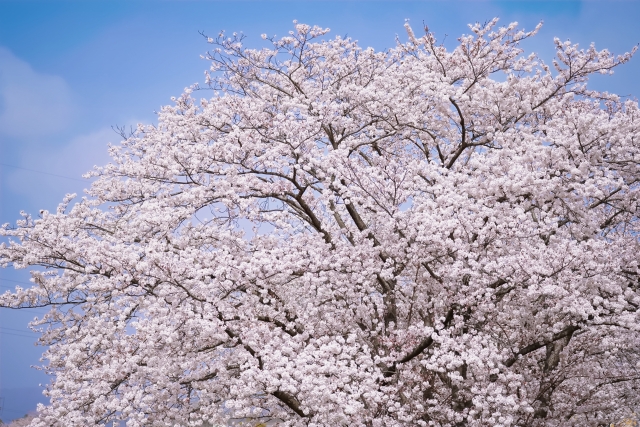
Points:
x=339, y=236
x=21, y=422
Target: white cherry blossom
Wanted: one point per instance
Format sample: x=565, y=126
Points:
x=344, y=237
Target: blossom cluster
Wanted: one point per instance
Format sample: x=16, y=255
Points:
x=340, y=236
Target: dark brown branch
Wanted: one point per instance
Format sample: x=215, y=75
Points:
x=205, y=378
x=427, y=341
x=463, y=143
x=568, y=331
x=278, y=324
x=291, y=402
x=431, y=272
x=251, y=351
x=314, y=220
x=497, y=283
x=355, y=216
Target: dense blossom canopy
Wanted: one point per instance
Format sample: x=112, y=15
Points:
x=345, y=237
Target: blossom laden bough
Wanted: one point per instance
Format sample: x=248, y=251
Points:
x=341, y=236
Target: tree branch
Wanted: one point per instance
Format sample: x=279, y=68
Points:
x=291, y=402
x=537, y=345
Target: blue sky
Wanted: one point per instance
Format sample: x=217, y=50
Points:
x=70, y=70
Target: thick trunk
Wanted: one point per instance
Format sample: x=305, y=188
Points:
x=548, y=383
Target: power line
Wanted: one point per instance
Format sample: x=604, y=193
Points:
x=2, y=279
x=18, y=335
x=35, y=334
x=44, y=173
x=13, y=329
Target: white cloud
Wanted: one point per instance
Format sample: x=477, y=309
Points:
x=31, y=103
x=45, y=169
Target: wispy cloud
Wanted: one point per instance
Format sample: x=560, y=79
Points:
x=48, y=172
x=31, y=103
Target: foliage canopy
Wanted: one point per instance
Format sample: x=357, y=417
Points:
x=341, y=236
